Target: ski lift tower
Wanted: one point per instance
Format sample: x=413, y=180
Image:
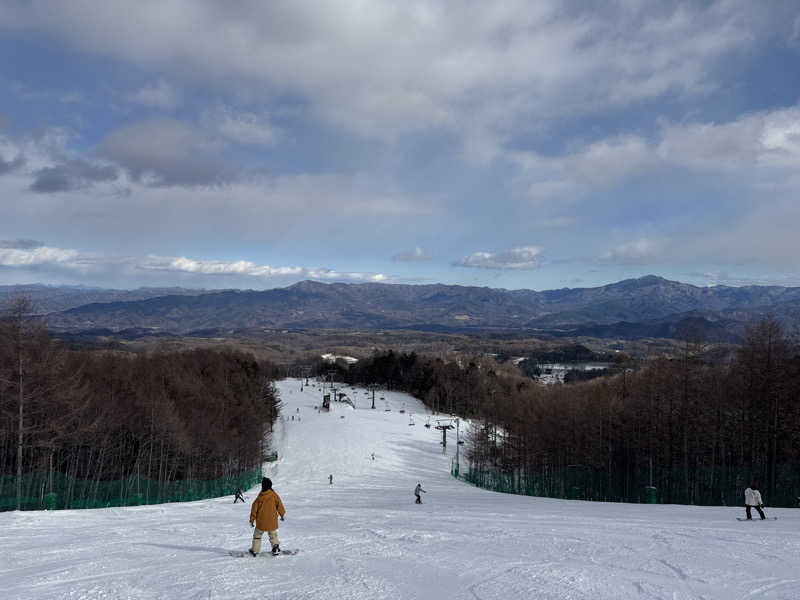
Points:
x=326, y=398
x=330, y=377
x=444, y=425
x=372, y=387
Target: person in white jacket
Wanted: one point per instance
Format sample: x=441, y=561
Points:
x=752, y=498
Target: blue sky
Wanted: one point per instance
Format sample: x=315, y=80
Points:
x=503, y=144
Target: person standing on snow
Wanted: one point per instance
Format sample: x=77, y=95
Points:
x=417, y=490
x=264, y=512
x=752, y=498
x=239, y=496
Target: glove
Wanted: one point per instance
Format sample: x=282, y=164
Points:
x=282, y=519
x=251, y=524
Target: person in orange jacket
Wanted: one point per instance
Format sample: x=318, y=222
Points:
x=264, y=512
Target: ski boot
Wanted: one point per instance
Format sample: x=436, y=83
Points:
x=276, y=549
x=252, y=553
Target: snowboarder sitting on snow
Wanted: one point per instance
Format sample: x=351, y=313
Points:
x=752, y=498
x=238, y=496
x=265, y=510
x=417, y=490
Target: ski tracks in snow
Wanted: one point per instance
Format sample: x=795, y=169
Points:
x=364, y=538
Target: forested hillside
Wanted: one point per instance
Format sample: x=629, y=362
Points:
x=696, y=432
x=631, y=309
x=97, y=428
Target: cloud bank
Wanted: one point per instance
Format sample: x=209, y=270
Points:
x=34, y=256
x=617, y=135
x=522, y=258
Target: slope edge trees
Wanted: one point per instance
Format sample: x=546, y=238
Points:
x=82, y=429
x=697, y=432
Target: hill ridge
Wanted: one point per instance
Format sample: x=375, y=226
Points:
x=651, y=302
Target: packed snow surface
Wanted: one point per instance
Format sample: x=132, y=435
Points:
x=364, y=537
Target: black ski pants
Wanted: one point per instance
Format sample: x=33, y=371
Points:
x=758, y=508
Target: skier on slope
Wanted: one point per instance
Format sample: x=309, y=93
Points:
x=239, y=496
x=752, y=499
x=417, y=491
x=264, y=512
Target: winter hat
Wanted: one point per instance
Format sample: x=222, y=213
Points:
x=266, y=484
x=754, y=485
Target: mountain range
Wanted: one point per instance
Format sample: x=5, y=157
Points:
x=649, y=306
x=55, y=298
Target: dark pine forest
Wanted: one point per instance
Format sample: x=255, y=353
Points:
x=96, y=427
x=697, y=431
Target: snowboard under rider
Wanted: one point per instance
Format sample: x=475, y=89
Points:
x=417, y=491
x=239, y=496
x=264, y=512
x=752, y=499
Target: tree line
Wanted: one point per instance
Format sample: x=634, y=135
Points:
x=693, y=430
x=96, y=416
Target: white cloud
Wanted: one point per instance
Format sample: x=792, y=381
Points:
x=545, y=191
x=42, y=255
x=68, y=261
x=767, y=141
x=522, y=258
x=158, y=95
x=569, y=177
x=124, y=210
x=416, y=255
x=245, y=128
x=382, y=69
x=250, y=269
x=636, y=252
x=610, y=160
x=794, y=36
x=764, y=139
x=164, y=151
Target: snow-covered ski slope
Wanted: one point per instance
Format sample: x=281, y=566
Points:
x=363, y=537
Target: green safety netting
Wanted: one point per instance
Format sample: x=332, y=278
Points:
x=53, y=491
x=718, y=487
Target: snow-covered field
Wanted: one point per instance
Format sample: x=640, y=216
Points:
x=363, y=537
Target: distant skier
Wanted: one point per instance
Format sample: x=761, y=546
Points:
x=417, y=491
x=752, y=499
x=239, y=496
x=264, y=512
x=330, y=479
x=373, y=456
